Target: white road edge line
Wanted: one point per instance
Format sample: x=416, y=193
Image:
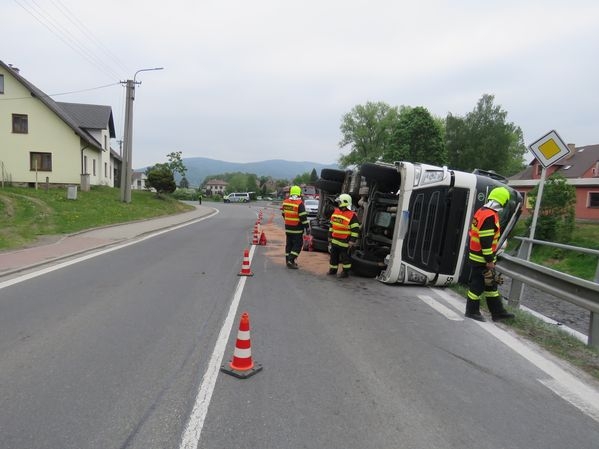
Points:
x=59, y=266
x=445, y=311
x=193, y=430
x=562, y=383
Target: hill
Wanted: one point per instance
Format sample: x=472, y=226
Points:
x=199, y=168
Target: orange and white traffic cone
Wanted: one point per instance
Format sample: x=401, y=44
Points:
x=262, y=239
x=242, y=366
x=256, y=236
x=245, y=265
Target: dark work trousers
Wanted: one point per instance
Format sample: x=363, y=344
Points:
x=339, y=255
x=293, y=245
x=477, y=283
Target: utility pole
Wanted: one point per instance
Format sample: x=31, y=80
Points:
x=127, y=154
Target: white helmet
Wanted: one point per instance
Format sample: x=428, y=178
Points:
x=344, y=200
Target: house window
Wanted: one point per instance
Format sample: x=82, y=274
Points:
x=94, y=167
x=594, y=199
x=19, y=124
x=1, y=84
x=105, y=170
x=40, y=161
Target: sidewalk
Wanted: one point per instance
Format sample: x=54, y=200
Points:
x=82, y=242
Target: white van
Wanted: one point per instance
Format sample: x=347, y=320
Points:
x=237, y=197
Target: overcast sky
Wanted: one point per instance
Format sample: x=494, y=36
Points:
x=253, y=80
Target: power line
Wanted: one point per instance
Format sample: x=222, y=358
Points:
x=63, y=93
x=87, y=32
x=45, y=19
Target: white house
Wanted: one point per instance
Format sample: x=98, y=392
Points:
x=45, y=141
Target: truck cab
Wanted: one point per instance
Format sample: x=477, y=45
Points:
x=415, y=220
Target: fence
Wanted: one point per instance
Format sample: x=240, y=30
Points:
x=577, y=291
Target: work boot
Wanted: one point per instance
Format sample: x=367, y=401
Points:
x=344, y=274
x=498, y=313
x=473, y=310
x=292, y=264
x=332, y=272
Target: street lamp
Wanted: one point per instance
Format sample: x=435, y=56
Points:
x=128, y=137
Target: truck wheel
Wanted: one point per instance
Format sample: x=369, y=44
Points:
x=364, y=268
x=328, y=186
x=320, y=245
x=387, y=178
x=319, y=233
x=331, y=174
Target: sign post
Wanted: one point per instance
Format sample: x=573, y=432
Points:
x=548, y=150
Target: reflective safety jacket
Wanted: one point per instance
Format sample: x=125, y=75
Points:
x=344, y=227
x=484, y=236
x=295, y=216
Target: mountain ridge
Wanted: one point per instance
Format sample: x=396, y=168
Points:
x=201, y=168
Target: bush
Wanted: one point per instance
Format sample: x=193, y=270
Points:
x=185, y=194
x=161, y=178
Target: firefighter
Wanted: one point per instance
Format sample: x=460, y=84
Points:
x=343, y=233
x=296, y=222
x=484, y=236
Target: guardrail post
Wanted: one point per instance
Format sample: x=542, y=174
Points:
x=517, y=287
x=594, y=331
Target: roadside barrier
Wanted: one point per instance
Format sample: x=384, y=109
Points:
x=245, y=265
x=242, y=366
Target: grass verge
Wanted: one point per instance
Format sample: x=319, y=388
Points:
x=27, y=214
x=549, y=337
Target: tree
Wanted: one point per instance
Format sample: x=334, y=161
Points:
x=367, y=130
x=417, y=137
x=160, y=177
x=483, y=139
x=184, y=183
x=313, y=176
x=557, y=210
x=175, y=163
x=304, y=178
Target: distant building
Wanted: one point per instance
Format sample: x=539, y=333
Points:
x=215, y=187
x=580, y=168
x=138, y=180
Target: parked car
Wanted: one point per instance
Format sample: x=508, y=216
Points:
x=237, y=197
x=311, y=207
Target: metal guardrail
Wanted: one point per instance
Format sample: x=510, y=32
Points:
x=577, y=291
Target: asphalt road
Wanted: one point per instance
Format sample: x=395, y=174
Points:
x=112, y=352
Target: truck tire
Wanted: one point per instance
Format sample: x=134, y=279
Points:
x=320, y=245
x=386, y=178
x=319, y=232
x=331, y=174
x=364, y=268
x=328, y=186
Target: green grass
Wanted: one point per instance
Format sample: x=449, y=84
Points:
x=584, y=266
x=26, y=214
x=550, y=337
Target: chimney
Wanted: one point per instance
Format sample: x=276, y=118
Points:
x=572, y=149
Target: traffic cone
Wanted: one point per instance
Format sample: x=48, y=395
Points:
x=256, y=237
x=245, y=265
x=262, y=238
x=242, y=366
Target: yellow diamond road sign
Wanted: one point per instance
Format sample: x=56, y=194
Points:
x=549, y=149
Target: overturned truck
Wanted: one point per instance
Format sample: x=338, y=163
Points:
x=414, y=219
